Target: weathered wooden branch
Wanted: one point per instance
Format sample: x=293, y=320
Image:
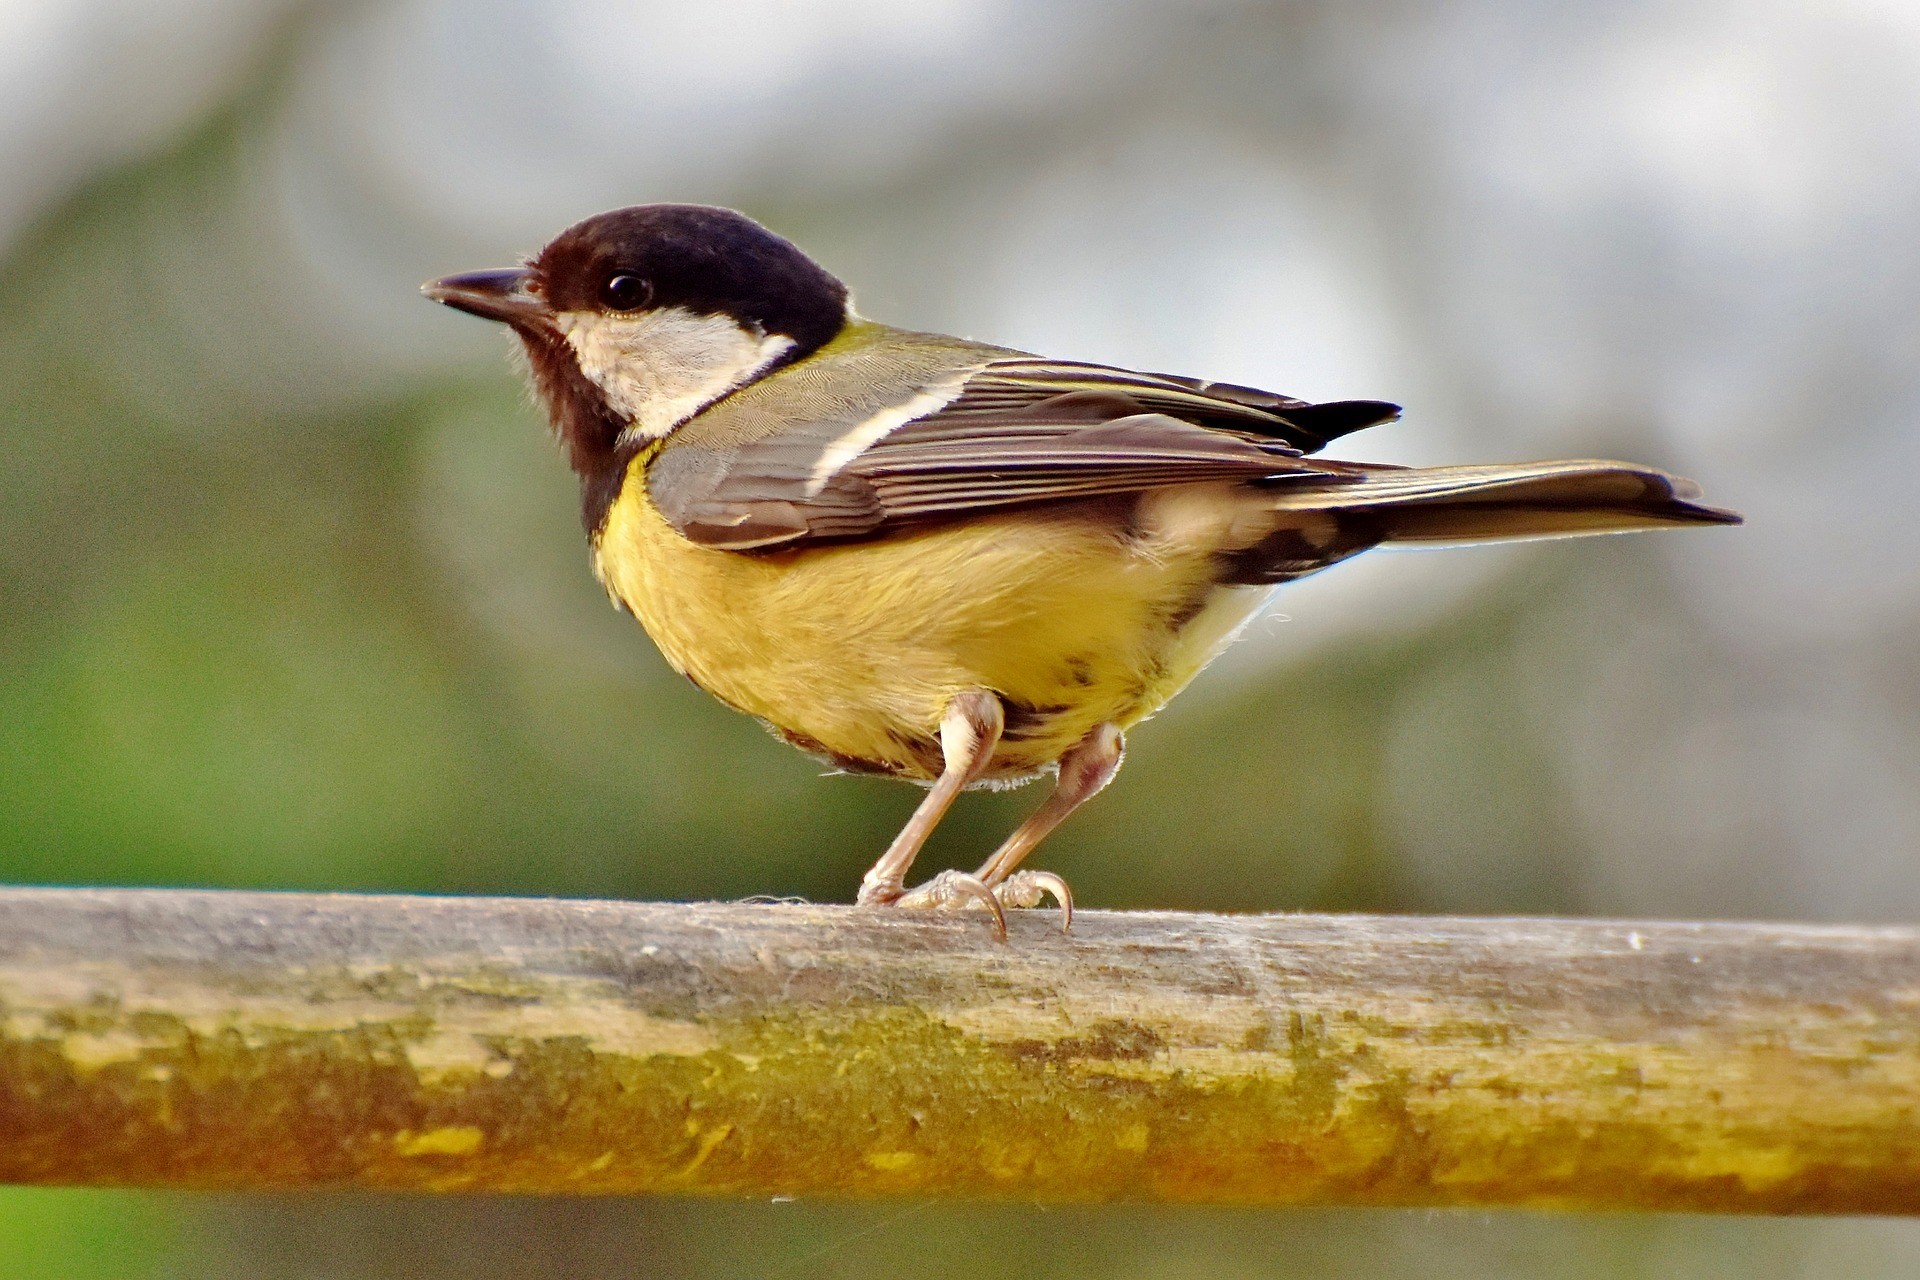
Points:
x=164, y=1038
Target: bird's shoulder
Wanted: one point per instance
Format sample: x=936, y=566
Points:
x=867, y=369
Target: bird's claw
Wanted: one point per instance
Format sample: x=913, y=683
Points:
x=1030, y=888
x=953, y=889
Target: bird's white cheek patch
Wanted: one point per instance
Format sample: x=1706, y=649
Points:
x=659, y=368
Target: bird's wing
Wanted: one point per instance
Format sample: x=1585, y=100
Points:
x=970, y=429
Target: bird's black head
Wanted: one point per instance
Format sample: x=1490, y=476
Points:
x=701, y=260
x=637, y=319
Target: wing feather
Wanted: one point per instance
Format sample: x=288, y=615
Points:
x=1020, y=381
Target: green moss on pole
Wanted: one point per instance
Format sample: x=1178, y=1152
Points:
x=238, y=1040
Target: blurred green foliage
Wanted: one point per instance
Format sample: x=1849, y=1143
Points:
x=84, y=1235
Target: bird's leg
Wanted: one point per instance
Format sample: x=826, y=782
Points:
x=969, y=731
x=1084, y=770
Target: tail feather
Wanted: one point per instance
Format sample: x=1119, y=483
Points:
x=1504, y=500
x=1352, y=506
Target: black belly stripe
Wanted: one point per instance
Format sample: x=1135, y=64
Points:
x=1027, y=721
x=927, y=755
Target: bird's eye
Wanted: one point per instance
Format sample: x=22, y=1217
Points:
x=625, y=293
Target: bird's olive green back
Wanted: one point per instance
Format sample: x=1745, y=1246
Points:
x=738, y=473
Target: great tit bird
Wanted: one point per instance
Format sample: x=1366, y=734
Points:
x=941, y=560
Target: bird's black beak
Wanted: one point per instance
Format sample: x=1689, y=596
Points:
x=506, y=295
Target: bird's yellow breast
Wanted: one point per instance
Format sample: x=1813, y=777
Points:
x=853, y=650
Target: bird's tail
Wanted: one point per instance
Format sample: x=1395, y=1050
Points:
x=1505, y=500
x=1354, y=506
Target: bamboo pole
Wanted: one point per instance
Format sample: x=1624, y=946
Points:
x=243, y=1040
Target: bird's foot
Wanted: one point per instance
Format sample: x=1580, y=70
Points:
x=955, y=890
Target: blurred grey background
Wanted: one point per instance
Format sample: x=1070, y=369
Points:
x=292, y=591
